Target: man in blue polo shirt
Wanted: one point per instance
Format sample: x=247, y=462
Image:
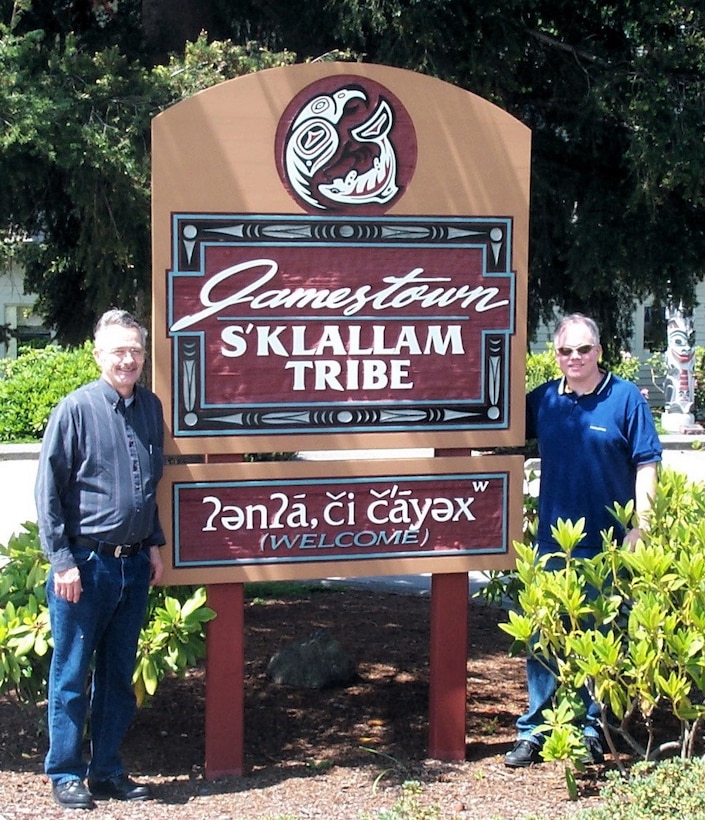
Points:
x=598, y=445
x=100, y=461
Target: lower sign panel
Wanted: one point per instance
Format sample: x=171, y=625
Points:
x=282, y=520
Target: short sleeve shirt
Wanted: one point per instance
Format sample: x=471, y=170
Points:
x=590, y=447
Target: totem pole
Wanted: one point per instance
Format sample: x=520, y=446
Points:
x=680, y=380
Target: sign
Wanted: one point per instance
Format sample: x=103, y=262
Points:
x=330, y=325
x=315, y=520
x=340, y=261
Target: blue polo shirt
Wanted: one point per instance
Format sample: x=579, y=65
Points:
x=590, y=447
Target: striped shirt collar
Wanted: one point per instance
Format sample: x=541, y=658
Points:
x=564, y=389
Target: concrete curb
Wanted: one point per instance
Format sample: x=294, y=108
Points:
x=18, y=466
x=19, y=452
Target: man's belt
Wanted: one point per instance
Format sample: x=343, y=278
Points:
x=104, y=548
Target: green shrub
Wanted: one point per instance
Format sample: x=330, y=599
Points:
x=672, y=789
x=25, y=637
x=32, y=385
x=629, y=625
x=172, y=639
x=541, y=367
x=627, y=367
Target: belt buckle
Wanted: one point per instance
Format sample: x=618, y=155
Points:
x=121, y=550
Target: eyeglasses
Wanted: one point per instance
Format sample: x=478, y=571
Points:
x=581, y=350
x=137, y=353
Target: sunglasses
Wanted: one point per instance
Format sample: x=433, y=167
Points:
x=581, y=350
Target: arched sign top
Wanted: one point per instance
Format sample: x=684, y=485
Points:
x=216, y=149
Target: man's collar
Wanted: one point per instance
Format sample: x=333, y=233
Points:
x=564, y=388
x=112, y=395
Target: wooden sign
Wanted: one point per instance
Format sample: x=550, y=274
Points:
x=245, y=522
x=339, y=261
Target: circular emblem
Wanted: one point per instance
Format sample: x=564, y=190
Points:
x=345, y=144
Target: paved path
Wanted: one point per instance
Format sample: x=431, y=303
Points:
x=18, y=469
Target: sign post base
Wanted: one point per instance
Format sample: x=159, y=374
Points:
x=449, y=641
x=225, y=682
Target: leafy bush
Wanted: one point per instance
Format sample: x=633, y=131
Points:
x=629, y=625
x=541, y=367
x=172, y=638
x=25, y=637
x=627, y=367
x=32, y=385
x=674, y=788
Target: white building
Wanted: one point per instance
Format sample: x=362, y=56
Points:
x=17, y=311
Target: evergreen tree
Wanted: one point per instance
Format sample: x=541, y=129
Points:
x=614, y=94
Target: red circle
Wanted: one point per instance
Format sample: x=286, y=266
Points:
x=345, y=144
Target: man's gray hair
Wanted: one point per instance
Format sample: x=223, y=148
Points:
x=577, y=319
x=121, y=318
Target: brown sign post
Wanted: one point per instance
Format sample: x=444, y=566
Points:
x=340, y=260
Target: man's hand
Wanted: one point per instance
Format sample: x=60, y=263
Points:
x=155, y=559
x=67, y=584
x=632, y=537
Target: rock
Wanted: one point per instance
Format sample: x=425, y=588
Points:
x=315, y=662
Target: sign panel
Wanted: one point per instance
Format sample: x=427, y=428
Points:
x=340, y=261
x=333, y=325
x=303, y=520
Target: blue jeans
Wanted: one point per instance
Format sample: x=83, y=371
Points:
x=541, y=683
x=541, y=677
x=104, y=627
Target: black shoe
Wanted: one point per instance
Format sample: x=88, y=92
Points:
x=119, y=787
x=523, y=754
x=72, y=794
x=595, y=752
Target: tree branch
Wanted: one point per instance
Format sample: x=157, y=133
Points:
x=574, y=50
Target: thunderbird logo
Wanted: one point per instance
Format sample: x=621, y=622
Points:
x=339, y=148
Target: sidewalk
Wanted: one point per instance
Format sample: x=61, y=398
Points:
x=18, y=470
